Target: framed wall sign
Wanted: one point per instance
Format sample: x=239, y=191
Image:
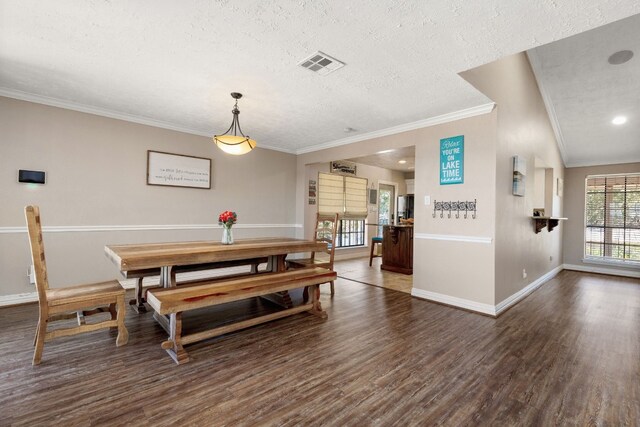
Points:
x=178, y=170
x=452, y=160
x=343, y=167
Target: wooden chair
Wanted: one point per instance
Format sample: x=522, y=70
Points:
x=374, y=242
x=326, y=230
x=60, y=303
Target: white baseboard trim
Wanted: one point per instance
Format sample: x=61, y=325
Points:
x=454, y=301
x=141, y=227
x=16, y=299
x=603, y=270
x=489, y=309
x=522, y=293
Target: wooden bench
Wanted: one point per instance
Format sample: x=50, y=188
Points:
x=175, y=301
x=138, y=303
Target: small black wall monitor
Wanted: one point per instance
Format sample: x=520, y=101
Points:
x=31, y=177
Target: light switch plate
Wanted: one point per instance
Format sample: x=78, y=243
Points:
x=427, y=200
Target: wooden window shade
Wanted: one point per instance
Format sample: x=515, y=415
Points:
x=355, y=197
x=344, y=195
x=330, y=194
x=612, y=217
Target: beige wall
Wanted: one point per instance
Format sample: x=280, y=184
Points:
x=523, y=129
x=574, y=194
x=96, y=176
x=437, y=263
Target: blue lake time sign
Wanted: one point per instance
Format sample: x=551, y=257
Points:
x=452, y=160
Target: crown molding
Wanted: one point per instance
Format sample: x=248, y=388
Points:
x=432, y=121
x=536, y=66
x=104, y=112
x=83, y=108
x=602, y=163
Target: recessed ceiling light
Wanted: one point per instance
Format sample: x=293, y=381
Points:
x=384, y=151
x=619, y=120
x=620, y=57
x=402, y=162
x=411, y=167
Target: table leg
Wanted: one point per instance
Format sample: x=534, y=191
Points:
x=167, y=277
x=138, y=303
x=277, y=263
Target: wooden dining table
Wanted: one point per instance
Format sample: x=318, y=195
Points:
x=165, y=259
x=203, y=255
x=168, y=258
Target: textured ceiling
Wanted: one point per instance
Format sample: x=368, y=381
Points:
x=174, y=63
x=585, y=93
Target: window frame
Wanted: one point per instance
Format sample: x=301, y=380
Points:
x=624, y=228
x=359, y=242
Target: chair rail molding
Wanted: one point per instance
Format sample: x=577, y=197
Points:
x=454, y=238
x=140, y=227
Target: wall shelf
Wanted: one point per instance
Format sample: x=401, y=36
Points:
x=550, y=222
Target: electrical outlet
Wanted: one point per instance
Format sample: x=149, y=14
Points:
x=524, y=273
x=427, y=200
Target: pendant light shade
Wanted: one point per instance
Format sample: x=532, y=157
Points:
x=233, y=141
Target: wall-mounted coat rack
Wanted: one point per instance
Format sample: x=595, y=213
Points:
x=455, y=208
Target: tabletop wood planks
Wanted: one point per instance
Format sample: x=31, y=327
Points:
x=153, y=255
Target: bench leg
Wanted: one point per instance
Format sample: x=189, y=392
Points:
x=316, y=308
x=138, y=303
x=174, y=344
x=123, y=334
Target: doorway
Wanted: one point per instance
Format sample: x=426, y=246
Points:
x=386, y=206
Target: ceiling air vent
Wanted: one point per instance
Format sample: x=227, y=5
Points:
x=321, y=63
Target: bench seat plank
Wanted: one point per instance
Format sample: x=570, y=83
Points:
x=209, y=293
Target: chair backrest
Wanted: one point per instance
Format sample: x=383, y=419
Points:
x=326, y=231
x=32, y=214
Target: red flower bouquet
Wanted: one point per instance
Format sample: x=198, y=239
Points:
x=227, y=219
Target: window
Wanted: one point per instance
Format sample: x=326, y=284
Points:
x=347, y=196
x=612, y=218
x=350, y=233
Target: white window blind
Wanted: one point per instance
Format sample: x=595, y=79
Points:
x=330, y=194
x=355, y=197
x=345, y=195
x=612, y=216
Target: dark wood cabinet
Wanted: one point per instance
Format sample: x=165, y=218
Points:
x=397, y=248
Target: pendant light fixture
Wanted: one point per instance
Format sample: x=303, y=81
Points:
x=230, y=142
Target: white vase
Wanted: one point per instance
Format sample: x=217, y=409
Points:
x=227, y=235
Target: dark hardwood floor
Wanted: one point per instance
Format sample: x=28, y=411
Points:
x=569, y=354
